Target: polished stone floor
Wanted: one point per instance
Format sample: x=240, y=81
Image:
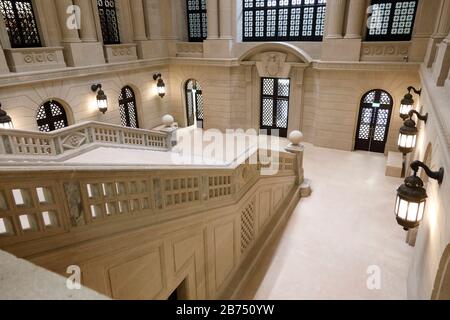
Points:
x=345, y=229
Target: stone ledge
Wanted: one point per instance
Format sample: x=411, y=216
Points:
x=22, y=280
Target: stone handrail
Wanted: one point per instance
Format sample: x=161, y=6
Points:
x=147, y=229
x=20, y=143
x=74, y=199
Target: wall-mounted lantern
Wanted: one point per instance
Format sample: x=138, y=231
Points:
x=407, y=104
x=412, y=197
x=160, y=85
x=5, y=119
x=407, y=137
x=102, y=99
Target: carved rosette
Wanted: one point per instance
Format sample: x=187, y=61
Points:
x=73, y=141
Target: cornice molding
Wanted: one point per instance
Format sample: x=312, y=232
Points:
x=366, y=66
x=15, y=79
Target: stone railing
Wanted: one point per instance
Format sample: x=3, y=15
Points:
x=200, y=225
x=19, y=144
x=190, y=49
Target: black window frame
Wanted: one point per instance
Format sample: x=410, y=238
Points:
x=26, y=33
x=390, y=36
x=110, y=27
x=275, y=97
x=203, y=19
x=124, y=106
x=50, y=119
x=290, y=7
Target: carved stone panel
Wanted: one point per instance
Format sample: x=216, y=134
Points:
x=273, y=65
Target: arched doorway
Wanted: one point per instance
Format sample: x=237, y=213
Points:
x=51, y=116
x=128, y=108
x=194, y=104
x=373, y=122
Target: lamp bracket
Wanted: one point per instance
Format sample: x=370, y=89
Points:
x=436, y=175
x=96, y=86
x=411, y=88
x=156, y=76
x=419, y=116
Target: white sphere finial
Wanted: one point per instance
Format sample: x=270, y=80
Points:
x=296, y=137
x=168, y=120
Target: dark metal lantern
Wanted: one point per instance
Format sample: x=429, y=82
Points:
x=412, y=196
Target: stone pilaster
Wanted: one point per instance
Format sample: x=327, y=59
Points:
x=87, y=50
x=442, y=28
x=223, y=46
x=213, y=19
x=355, y=19
x=335, y=46
x=69, y=34
x=137, y=14
x=441, y=66
x=335, y=19
x=88, y=32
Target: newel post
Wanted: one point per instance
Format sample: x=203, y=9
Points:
x=295, y=147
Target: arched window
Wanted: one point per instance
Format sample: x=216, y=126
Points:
x=20, y=23
x=197, y=20
x=194, y=104
x=51, y=116
x=374, y=119
x=391, y=20
x=283, y=20
x=127, y=108
x=108, y=21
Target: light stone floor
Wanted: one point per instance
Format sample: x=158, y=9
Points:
x=333, y=237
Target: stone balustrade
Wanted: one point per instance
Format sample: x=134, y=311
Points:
x=164, y=226
x=21, y=145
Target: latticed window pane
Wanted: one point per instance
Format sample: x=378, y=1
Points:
x=283, y=20
x=20, y=23
x=275, y=103
x=108, y=21
x=128, y=108
x=194, y=102
x=51, y=116
x=391, y=20
x=197, y=20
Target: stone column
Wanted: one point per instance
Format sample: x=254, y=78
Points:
x=137, y=14
x=213, y=19
x=356, y=10
x=88, y=32
x=442, y=28
x=125, y=21
x=68, y=35
x=335, y=18
x=3, y=64
x=441, y=67
x=225, y=19
x=153, y=13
